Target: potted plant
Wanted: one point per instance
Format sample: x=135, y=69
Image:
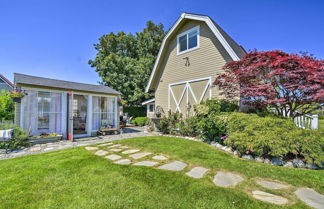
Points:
x=17, y=94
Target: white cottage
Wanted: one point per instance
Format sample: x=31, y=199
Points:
x=68, y=108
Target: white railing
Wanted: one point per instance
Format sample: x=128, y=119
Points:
x=304, y=121
x=307, y=121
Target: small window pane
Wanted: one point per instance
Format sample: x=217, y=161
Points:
x=151, y=108
x=183, y=43
x=193, y=39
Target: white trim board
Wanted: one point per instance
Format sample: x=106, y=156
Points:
x=213, y=28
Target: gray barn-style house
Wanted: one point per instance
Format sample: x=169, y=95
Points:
x=68, y=108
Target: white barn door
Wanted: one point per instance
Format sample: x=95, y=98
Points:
x=188, y=93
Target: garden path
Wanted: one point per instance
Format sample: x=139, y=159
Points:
x=125, y=155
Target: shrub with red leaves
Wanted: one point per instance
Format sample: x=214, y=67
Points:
x=291, y=83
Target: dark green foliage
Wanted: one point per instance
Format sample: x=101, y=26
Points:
x=139, y=121
x=124, y=61
x=215, y=106
x=19, y=137
x=189, y=126
x=212, y=118
x=168, y=123
x=135, y=111
x=270, y=136
x=6, y=106
x=213, y=126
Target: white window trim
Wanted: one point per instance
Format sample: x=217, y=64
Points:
x=186, y=33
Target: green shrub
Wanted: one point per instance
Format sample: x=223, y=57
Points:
x=6, y=106
x=270, y=136
x=168, y=123
x=139, y=121
x=215, y=106
x=19, y=137
x=212, y=118
x=189, y=126
x=135, y=111
x=212, y=127
x=310, y=145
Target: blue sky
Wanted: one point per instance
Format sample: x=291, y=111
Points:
x=54, y=38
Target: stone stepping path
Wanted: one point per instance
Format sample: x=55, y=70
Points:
x=271, y=184
x=130, y=151
x=140, y=155
x=310, y=197
x=197, y=172
x=146, y=163
x=173, y=166
x=123, y=162
x=91, y=148
x=101, y=153
x=113, y=157
x=116, y=150
x=271, y=198
x=159, y=157
x=222, y=178
x=227, y=179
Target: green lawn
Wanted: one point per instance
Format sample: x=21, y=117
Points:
x=75, y=178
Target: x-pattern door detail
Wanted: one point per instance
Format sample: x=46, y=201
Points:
x=193, y=92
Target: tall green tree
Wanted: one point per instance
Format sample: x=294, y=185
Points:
x=6, y=106
x=124, y=61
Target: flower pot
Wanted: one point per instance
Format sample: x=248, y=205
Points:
x=16, y=99
x=44, y=140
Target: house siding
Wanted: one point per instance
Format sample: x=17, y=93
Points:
x=206, y=61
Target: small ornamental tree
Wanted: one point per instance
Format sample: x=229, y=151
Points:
x=293, y=84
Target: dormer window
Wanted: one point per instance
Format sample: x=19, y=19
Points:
x=188, y=40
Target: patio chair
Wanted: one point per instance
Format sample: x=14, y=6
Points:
x=6, y=136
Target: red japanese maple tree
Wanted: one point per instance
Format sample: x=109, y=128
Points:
x=293, y=84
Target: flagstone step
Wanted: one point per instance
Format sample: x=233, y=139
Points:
x=105, y=144
x=140, y=155
x=227, y=179
x=116, y=150
x=101, y=153
x=113, y=157
x=123, y=162
x=271, y=198
x=173, y=166
x=146, y=163
x=197, y=172
x=130, y=151
x=310, y=197
x=271, y=184
x=159, y=157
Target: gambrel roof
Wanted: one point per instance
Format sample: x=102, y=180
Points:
x=234, y=50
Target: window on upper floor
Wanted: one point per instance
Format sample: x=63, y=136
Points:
x=188, y=40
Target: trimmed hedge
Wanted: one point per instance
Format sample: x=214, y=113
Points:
x=135, y=111
x=139, y=121
x=276, y=137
